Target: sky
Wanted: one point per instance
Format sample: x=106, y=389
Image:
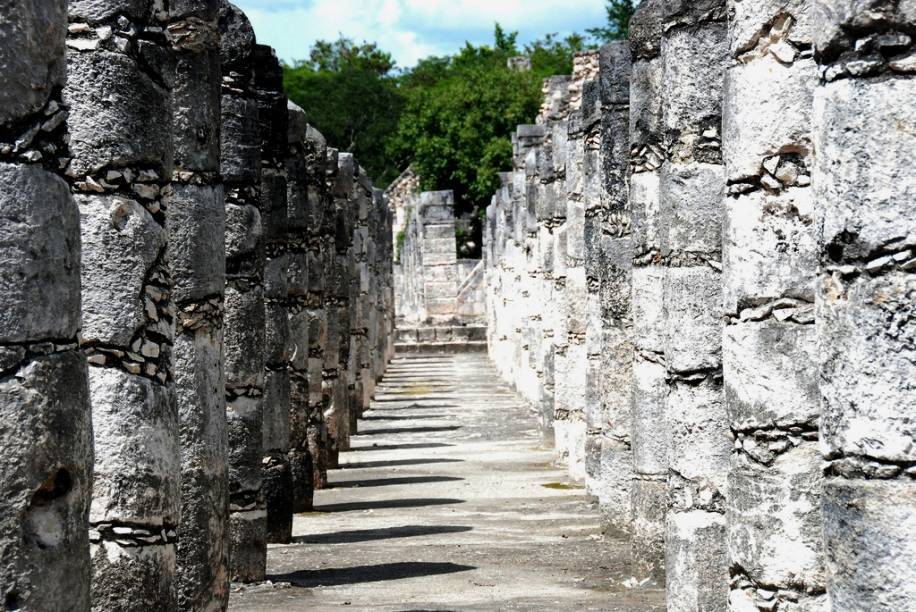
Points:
x=412, y=29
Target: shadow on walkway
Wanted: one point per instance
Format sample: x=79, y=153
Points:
x=387, y=533
x=388, y=503
x=412, y=417
x=336, y=576
x=395, y=462
x=386, y=482
x=389, y=447
x=401, y=430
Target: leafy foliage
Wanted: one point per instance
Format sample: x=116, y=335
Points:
x=349, y=93
x=618, y=21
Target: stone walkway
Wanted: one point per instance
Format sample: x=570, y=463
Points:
x=446, y=502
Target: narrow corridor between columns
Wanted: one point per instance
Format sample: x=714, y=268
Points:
x=447, y=501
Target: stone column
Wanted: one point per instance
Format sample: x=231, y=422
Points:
x=46, y=465
x=549, y=195
x=649, y=436
x=277, y=479
x=863, y=125
x=608, y=264
x=571, y=358
x=304, y=297
x=769, y=261
x=694, y=50
x=244, y=331
x=118, y=92
x=338, y=412
x=196, y=223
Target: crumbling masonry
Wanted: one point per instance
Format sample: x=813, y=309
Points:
x=742, y=283
x=172, y=262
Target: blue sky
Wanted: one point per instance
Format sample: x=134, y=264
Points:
x=412, y=29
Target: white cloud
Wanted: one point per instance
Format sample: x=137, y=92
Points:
x=411, y=29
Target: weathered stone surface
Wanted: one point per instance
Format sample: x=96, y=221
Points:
x=46, y=476
x=118, y=113
x=862, y=178
x=693, y=318
x=31, y=57
x=868, y=529
x=196, y=226
x=774, y=519
x=866, y=351
x=39, y=256
x=696, y=559
x=121, y=244
x=135, y=425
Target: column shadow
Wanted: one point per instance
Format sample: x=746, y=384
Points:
x=338, y=576
x=396, y=462
x=387, y=533
x=382, y=504
x=386, y=482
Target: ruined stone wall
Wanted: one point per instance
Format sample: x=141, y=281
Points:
x=174, y=263
x=735, y=255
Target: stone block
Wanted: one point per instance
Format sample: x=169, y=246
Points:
x=244, y=338
x=133, y=573
x=866, y=377
x=32, y=57
x=196, y=226
x=196, y=110
x=864, y=150
x=647, y=530
x=244, y=231
x=39, y=275
x=769, y=249
x=121, y=243
x=774, y=518
x=868, y=529
x=650, y=432
x=117, y=112
x=45, y=479
x=137, y=469
x=694, y=68
x=699, y=443
x=248, y=545
x=240, y=149
x=770, y=374
x=690, y=208
x=697, y=561
x=648, y=308
x=693, y=318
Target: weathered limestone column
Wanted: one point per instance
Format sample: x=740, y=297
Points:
x=608, y=264
x=46, y=440
x=549, y=197
x=572, y=359
x=196, y=223
x=304, y=298
x=361, y=299
x=244, y=331
x=649, y=390
x=277, y=479
x=769, y=358
x=864, y=120
x=692, y=181
x=118, y=92
x=337, y=416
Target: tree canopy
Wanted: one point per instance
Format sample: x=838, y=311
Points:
x=450, y=117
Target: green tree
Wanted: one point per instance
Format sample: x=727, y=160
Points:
x=350, y=93
x=619, y=13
